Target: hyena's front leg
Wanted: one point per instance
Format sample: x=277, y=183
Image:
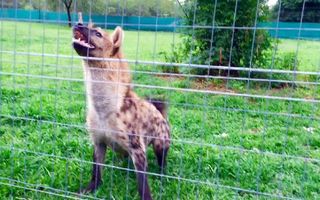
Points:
x=138, y=155
x=98, y=159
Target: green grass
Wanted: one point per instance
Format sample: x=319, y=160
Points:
x=308, y=53
x=43, y=143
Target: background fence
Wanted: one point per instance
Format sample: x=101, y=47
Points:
x=128, y=22
x=285, y=29
x=247, y=131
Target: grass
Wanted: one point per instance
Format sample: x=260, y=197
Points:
x=220, y=143
x=308, y=52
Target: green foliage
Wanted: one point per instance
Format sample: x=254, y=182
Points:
x=291, y=11
x=280, y=61
x=129, y=7
x=218, y=44
x=105, y=7
x=171, y=57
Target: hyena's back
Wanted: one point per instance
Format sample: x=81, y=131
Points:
x=141, y=123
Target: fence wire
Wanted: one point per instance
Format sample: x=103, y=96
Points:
x=233, y=136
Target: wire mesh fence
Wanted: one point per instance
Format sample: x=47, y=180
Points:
x=240, y=130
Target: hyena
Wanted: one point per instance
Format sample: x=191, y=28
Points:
x=116, y=117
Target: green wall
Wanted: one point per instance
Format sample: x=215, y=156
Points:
x=285, y=30
x=128, y=22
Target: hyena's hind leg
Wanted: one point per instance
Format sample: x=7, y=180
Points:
x=161, y=143
x=161, y=147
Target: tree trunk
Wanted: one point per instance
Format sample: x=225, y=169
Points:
x=69, y=16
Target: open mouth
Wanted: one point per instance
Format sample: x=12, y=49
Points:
x=81, y=39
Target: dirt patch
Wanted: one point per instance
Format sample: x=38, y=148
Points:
x=206, y=85
x=171, y=77
x=198, y=84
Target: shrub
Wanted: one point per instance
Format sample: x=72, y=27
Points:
x=214, y=45
x=281, y=61
x=172, y=57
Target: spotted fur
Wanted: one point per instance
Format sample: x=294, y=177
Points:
x=116, y=117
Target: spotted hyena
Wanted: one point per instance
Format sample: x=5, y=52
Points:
x=116, y=117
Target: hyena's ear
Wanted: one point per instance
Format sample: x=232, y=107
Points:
x=117, y=37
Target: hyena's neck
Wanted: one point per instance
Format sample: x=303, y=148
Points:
x=106, y=86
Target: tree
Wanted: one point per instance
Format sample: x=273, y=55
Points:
x=211, y=38
x=161, y=8
x=291, y=10
x=67, y=4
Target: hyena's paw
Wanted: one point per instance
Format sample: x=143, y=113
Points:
x=93, y=186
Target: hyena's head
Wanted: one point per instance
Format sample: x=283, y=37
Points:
x=95, y=42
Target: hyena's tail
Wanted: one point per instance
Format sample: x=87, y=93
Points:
x=160, y=105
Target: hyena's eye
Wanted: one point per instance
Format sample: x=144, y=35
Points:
x=98, y=34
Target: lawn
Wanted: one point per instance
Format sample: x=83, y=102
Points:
x=308, y=53
x=223, y=146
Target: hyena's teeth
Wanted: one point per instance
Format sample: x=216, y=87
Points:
x=82, y=42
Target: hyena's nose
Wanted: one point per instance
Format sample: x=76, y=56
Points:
x=79, y=27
